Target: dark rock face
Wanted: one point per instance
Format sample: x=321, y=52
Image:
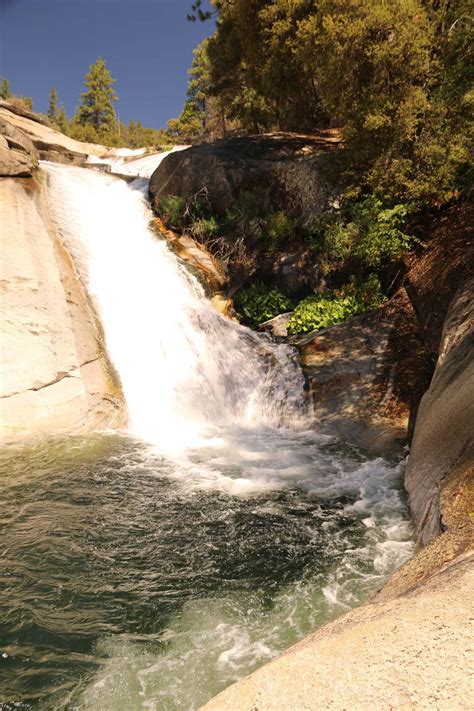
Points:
x=433, y=279
x=444, y=434
x=296, y=174
x=288, y=171
x=366, y=376
x=441, y=288
x=18, y=156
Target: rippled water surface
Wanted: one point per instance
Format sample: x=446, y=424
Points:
x=131, y=580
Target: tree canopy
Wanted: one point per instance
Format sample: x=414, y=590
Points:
x=396, y=76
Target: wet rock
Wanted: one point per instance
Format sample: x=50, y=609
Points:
x=278, y=326
x=196, y=256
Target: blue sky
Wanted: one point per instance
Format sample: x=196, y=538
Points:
x=147, y=45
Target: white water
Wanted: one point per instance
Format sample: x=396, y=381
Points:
x=127, y=162
x=184, y=367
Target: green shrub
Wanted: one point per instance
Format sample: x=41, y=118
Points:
x=258, y=303
x=172, y=209
x=365, y=229
x=280, y=227
x=321, y=311
x=204, y=228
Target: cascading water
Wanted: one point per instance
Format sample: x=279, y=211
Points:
x=150, y=569
x=182, y=365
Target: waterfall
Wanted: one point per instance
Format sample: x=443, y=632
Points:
x=183, y=366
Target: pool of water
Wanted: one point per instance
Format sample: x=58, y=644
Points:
x=133, y=578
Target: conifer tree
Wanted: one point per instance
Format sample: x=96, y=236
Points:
x=97, y=102
x=5, y=92
x=62, y=121
x=53, y=104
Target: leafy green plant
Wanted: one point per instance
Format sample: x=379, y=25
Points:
x=204, y=228
x=171, y=209
x=365, y=229
x=258, y=303
x=321, y=311
x=280, y=227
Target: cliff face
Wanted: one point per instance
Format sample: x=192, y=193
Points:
x=55, y=374
x=441, y=288
x=444, y=433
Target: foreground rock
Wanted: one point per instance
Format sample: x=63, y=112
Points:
x=55, y=374
x=50, y=144
x=408, y=653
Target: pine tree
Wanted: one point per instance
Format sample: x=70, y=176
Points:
x=53, y=104
x=5, y=92
x=62, y=121
x=96, y=108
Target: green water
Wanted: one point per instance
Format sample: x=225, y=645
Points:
x=133, y=580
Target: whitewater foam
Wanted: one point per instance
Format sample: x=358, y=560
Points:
x=183, y=366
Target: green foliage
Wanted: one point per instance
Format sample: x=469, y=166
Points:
x=258, y=303
x=5, y=92
x=97, y=102
x=395, y=76
x=172, y=209
x=204, y=228
x=62, y=121
x=280, y=228
x=53, y=105
x=366, y=230
x=203, y=116
x=322, y=311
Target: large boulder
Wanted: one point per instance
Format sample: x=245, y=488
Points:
x=366, y=376
x=253, y=179
x=55, y=374
x=287, y=171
